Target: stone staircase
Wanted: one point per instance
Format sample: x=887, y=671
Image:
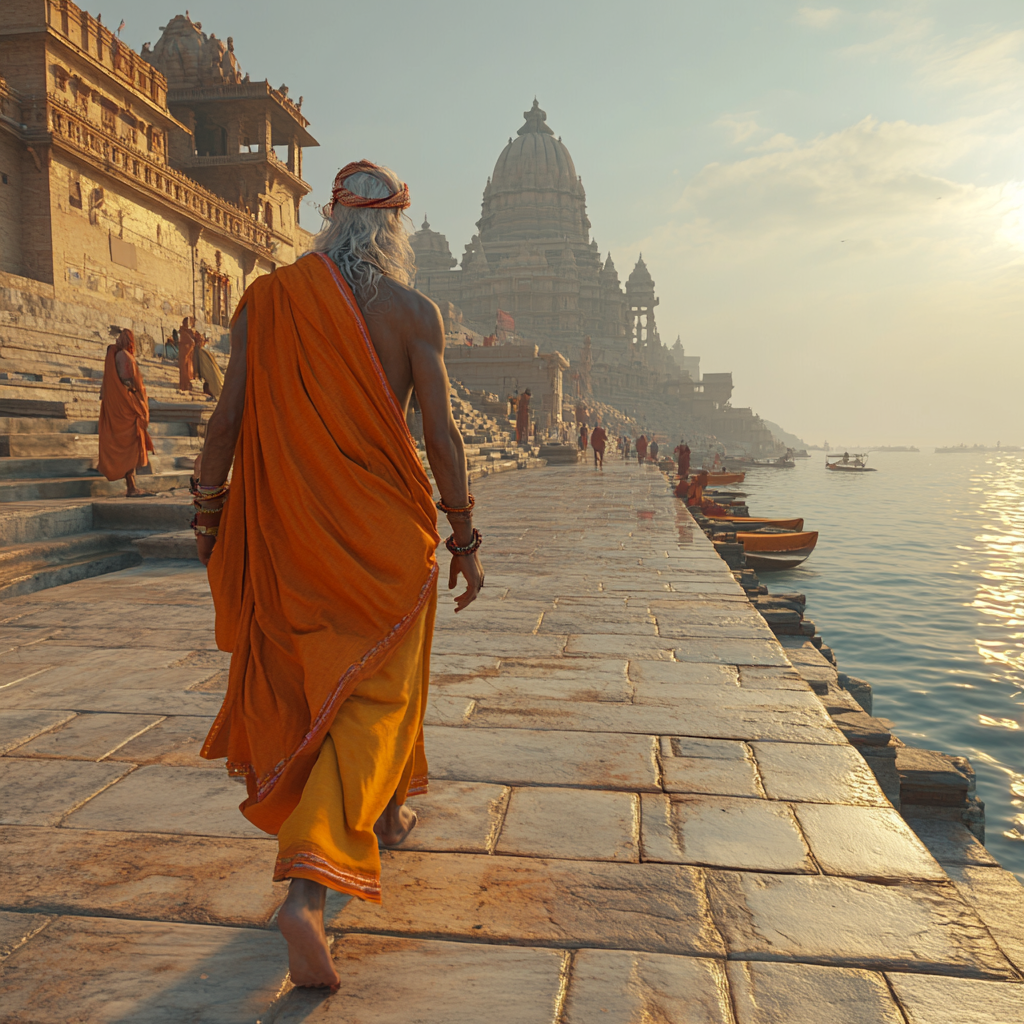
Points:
x=60, y=521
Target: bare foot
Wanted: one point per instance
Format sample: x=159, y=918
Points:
x=301, y=921
x=394, y=825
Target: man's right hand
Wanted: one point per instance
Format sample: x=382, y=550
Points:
x=468, y=566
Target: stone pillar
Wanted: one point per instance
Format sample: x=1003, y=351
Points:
x=234, y=137
x=263, y=134
x=293, y=156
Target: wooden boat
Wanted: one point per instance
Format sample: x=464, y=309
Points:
x=847, y=463
x=782, y=462
x=722, y=478
x=770, y=552
x=741, y=521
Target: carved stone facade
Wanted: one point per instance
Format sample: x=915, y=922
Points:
x=142, y=186
x=533, y=259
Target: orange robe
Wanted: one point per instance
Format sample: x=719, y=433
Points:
x=186, y=348
x=323, y=573
x=124, y=417
x=523, y=419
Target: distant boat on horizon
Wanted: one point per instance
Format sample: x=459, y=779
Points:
x=896, y=448
x=962, y=449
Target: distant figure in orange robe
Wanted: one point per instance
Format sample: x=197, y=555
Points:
x=124, y=415
x=682, y=453
x=641, y=450
x=523, y=417
x=321, y=558
x=186, y=355
x=598, y=440
x=695, y=490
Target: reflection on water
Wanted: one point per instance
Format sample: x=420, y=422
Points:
x=917, y=583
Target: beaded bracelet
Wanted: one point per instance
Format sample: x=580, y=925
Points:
x=468, y=549
x=208, y=511
x=447, y=509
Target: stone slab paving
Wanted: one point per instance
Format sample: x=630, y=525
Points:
x=639, y=811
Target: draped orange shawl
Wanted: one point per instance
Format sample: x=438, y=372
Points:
x=124, y=417
x=326, y=549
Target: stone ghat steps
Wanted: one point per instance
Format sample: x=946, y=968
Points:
x=85, y=445
x=26, y=568
x=40, y=489
x=52, y=543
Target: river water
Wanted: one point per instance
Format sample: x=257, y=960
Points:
x=917, y=583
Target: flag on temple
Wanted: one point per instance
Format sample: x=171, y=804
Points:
x=120, y=28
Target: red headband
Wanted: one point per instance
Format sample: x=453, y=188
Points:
x=339, y=194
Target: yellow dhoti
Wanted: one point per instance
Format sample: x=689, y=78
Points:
x=373, y=751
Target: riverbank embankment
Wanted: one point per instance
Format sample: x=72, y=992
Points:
x=639, y=808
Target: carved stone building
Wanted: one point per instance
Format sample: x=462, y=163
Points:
x=137, y=188
x=533, y=259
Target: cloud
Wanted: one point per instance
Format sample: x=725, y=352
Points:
x=817, y=17
x=853, y=277
x=742, y=126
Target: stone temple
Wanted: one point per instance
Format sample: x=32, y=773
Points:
x=533, y=281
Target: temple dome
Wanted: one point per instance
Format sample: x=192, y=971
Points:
x=431, y=250
x=534, y=192
x=640, y=278
x=535, y=159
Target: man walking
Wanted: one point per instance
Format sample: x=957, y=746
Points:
x=641, y=450
x=523, y=417
x=124, y=438
x=321, y=560
x=598, y=440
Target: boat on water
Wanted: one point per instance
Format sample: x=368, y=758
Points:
x=722, y=478
x=782, y=462
x=753, y=522
x=849, y=463
x=962, y=449
x=771, y=551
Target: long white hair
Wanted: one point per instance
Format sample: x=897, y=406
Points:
x=368, y=245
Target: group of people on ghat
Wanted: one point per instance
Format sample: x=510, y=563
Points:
x=124, y=440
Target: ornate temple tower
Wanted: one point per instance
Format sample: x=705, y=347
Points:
x=235, y=125
x=640, y=303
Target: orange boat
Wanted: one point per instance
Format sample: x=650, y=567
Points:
x=722, y=478
x=741, y=521
x=768, y=552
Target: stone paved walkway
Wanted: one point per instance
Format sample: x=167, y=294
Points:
x=639, y=812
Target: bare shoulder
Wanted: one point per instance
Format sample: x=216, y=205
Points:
x=418, y=312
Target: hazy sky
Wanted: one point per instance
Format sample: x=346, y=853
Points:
x=830, y=199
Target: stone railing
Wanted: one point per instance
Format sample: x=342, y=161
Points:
x=88, y=35
x=85, y=138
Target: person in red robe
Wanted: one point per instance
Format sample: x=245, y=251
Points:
x=682, y=453
x=186, y=352
x=641, y=450
x=598, y=440
x=523, y=418
x=124, y=415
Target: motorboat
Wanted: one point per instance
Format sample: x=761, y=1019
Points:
x=771, y=551
x=753, y=522
x=849, y=463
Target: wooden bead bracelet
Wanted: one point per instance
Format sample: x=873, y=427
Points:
x=468, y=549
